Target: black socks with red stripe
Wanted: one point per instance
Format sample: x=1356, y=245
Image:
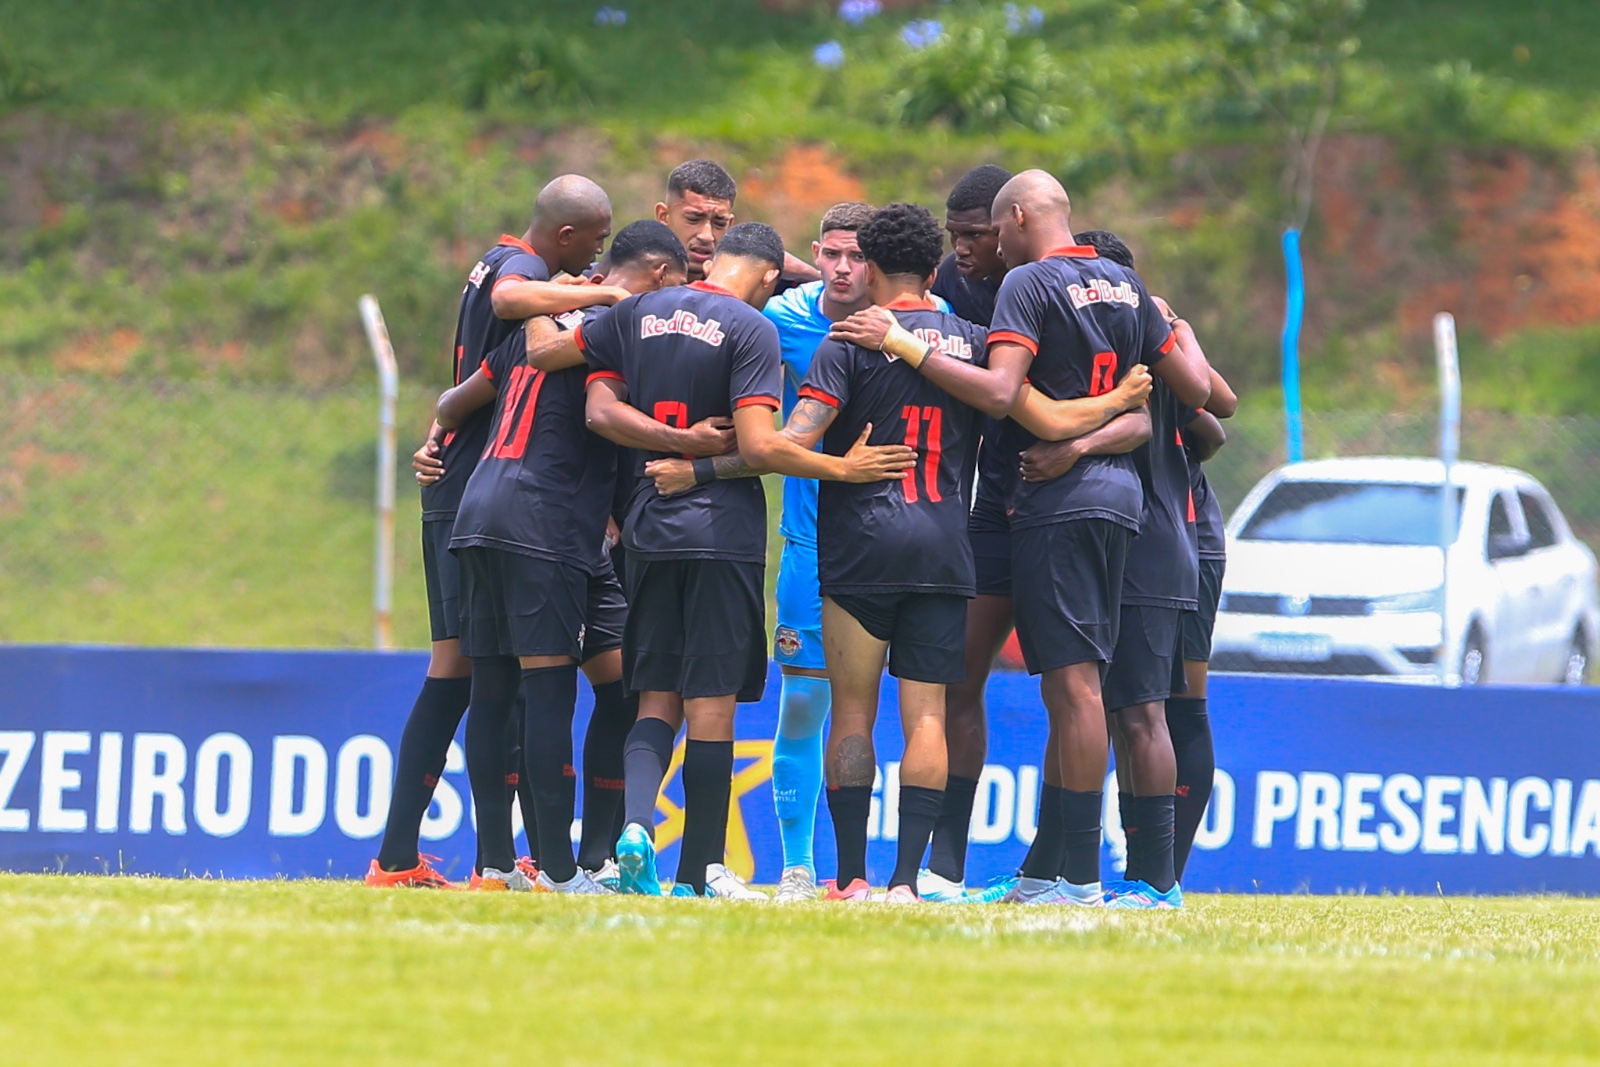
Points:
x=550, y=695
x=423, y=746
x=495, y=680
x=614, y=712
x=1189, y=723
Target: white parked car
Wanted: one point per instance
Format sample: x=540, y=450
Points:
x=1334, y=568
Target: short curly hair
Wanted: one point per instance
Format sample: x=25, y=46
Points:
x=1108, y=245
x=753, y=240
x=847, y=217
x=902, y=239
x=703, y=176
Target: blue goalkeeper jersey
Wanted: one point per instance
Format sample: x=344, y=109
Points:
x=802, y=326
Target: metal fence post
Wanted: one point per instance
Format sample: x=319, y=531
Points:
x=388, y=394
x=1444, y=344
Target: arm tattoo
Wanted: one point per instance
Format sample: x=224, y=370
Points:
x=732, y=465
x=809, y=417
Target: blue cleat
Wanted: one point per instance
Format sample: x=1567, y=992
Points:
x=1116, y=887
x=994, y=892
x=684, y=889
x=636, y=862
x=1142, y=896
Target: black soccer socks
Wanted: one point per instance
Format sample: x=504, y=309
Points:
x=423, y=747
x=850, y=806
x=495, y=680
x=707, y=786
x=550, y=694
x=645, y=758
x=1128, y=813
x=919, y=811
x=948, y=857
x=1190, y=726
x=1150, y=849
x=614, y=712
x=1044, y=857
x=1080, y=836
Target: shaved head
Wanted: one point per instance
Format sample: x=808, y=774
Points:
x=1036, y=192
x=1032, y=215
x=570, y=200
x=571, y=221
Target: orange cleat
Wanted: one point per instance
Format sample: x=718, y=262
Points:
x=857, y=890
x=422, y=876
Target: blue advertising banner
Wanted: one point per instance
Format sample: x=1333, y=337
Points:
x=264, y=764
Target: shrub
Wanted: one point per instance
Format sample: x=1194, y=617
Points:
x=977, y=74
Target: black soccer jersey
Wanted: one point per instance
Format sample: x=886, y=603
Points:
x=1207, y=512
x=910, y=535
x=543, y=487
x=478, y=331
x=1086, y=320
x=1163, y=569
x=973, y=300
x=685, y=354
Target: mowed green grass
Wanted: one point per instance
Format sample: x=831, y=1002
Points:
x=137, y=971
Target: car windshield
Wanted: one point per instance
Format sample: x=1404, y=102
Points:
x=1356, y=513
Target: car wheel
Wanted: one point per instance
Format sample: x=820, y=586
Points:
x=1577, y=668
x=1474, y=658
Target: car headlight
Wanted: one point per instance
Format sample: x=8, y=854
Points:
x=1421, y=600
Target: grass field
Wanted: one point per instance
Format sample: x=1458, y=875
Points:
x=136, y=971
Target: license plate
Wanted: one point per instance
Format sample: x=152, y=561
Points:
x=1295, y=648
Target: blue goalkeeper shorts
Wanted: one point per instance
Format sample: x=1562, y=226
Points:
x=798, y=640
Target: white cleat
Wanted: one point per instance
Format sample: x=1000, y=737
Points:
x=938, y=889
x=723, y=883
x=1065, y=893
x=797, y=886
x=900, y=894
x=580, y=884
x=491, y=880
x=609, y=875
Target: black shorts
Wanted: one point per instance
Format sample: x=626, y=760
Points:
x=696, y=627
x=442, y=572
x=991, y=553
x=1066, y=581
x=517, y=605
x=1146, y=666
x=927, y=632
x=1198, y=625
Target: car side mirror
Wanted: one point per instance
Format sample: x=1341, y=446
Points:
x=1506, y=546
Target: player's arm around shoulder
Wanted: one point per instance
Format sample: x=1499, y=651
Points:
x=1182, y=367
x=1048, y=460
x=550, y=348
x=524, y=298
x=458, y=403
x=1061, y=420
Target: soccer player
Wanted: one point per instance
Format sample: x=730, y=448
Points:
x=1160, y=581
x=539, y=595
x=695, y=639
x=571, y=220
x=803, y=316
x=699, y=209
x=897, y=574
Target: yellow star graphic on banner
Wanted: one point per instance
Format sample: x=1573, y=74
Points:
x=740, y=859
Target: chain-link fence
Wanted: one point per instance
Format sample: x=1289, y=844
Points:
x=201, y=513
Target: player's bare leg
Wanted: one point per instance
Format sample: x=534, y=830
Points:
x=855, y=667
x=1146, y=768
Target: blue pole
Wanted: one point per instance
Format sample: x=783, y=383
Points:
x=1293, y=311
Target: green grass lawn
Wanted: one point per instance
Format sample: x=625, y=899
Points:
x=149, y=971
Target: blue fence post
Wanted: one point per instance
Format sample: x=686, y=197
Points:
x=1294, y=310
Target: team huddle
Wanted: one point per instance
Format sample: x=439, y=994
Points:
x=1006, y=437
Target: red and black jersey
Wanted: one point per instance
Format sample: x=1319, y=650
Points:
x=1086, y=320
x=909, y=535
x=478, y=332
x=685, y=354
x=973, y=300
x=543, y=486
x=1163, y=568
x=1209, y=537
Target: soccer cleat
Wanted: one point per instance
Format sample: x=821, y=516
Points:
x=994, y=892
x=723, y=883
x=858, y=890
x=797, y=885
x=422, y=876
x=684, y=889
x=529, y=867
x=1142, y=896
x=636, y=862
x=1025, y=890
x=939, y=889
x=608, y=875
x=580, y=884
x=491, y=880
x=1117, y=887
x=901, y=894
x=1064, y=892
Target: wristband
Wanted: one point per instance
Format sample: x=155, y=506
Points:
x=903, y=344
x=704, y=471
